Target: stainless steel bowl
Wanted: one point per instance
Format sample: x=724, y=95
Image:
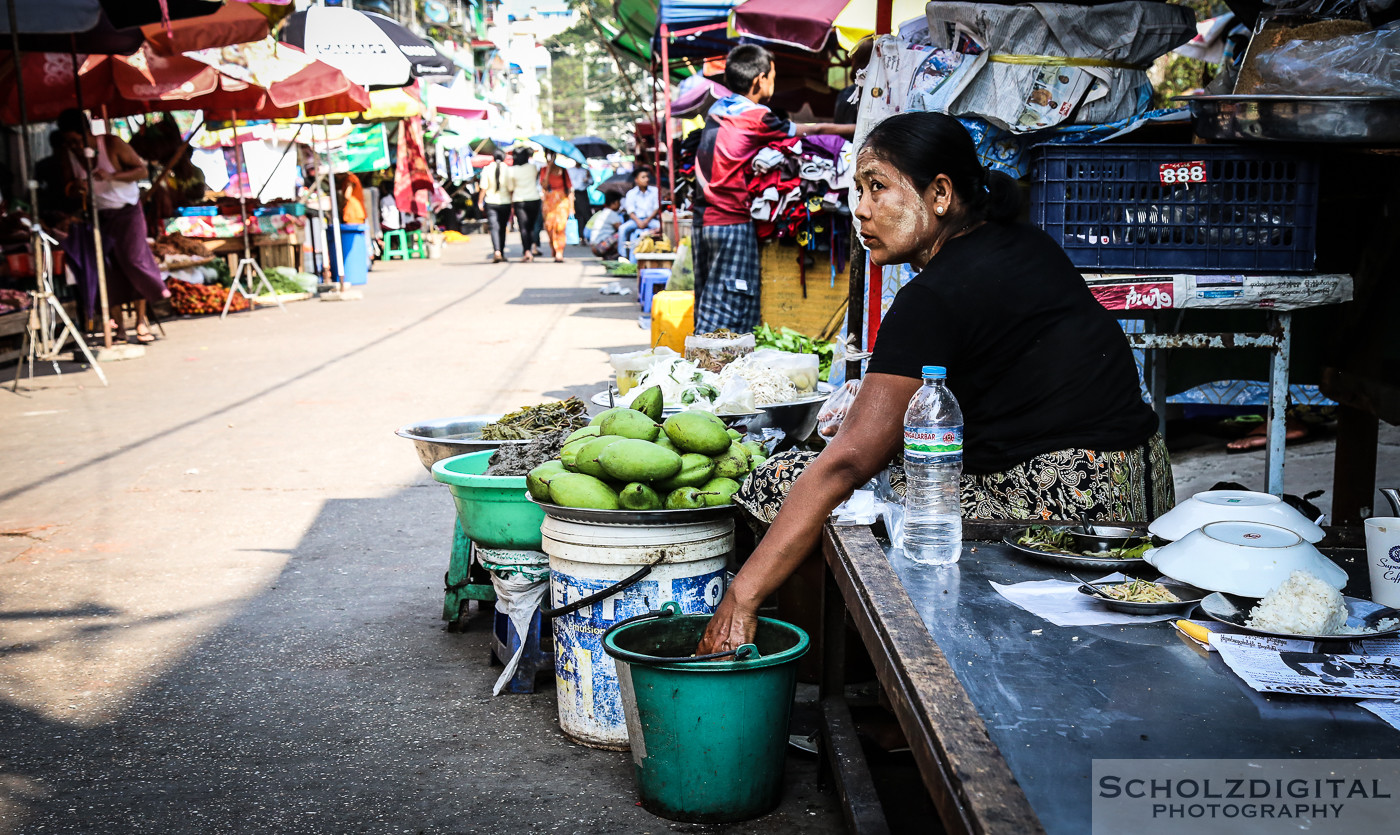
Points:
x=1372, y=120
x=1104, y=538
x=435, y=440
x=797, y=418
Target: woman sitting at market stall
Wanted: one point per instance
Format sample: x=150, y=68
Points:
x=1055, y=424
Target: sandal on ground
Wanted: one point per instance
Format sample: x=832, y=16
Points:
x=497, y=258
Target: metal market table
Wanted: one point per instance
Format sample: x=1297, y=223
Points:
x=1004, y=724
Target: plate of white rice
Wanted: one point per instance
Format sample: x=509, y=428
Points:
x=1303, y=606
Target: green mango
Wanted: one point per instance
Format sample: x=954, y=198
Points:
x=634, y=460
x=696, y=469
x=719, y=491
x=568, y=454
x=697, y=431
x=630, y=424
x=586, y=461
x=589, y=431
x=663, y=441
x=754, y=448
x=650, y=403
x=598, y=418
x=537, y=480
x=755, y=462
x=579, y=490
x=638, y=496
x=734, y=463
x=735, y=434
x=685, y=498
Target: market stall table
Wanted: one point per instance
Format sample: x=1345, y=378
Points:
x=1005, y=712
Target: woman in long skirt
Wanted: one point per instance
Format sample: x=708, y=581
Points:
x=558, y=204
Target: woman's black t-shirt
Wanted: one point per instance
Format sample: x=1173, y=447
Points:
x=1036, y=363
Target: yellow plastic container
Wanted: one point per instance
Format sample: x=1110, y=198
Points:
x=672, y=319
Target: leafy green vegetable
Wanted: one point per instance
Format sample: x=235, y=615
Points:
x=787, y=339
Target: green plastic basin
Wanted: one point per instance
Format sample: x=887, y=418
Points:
x=495, y=511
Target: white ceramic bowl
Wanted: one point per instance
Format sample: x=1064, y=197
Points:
x=1232, y=506
x=1244, y=558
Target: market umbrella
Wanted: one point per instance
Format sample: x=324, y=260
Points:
x=373, y=50
x=550, y=142
x=231, y=24
x=593, y=146
x=619, y=183
x=109, y=27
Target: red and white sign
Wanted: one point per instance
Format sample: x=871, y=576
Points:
x=1155, y=295
x=1176, y=173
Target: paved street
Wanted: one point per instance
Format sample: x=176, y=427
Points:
x=221, y=577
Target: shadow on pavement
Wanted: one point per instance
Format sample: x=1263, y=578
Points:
x=335, y=701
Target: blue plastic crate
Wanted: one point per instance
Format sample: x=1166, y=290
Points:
x=649, y=281
x=1183, y=208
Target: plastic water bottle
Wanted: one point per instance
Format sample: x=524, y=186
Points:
x=933, y=443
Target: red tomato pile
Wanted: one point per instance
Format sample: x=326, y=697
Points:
x=190, y=299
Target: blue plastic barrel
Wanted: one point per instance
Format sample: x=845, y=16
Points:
x=354, y=251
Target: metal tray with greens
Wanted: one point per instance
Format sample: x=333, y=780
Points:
x=1057, y=545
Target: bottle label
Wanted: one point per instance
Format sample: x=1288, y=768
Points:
x=933, y=442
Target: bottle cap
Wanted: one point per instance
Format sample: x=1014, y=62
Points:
x=935, y=371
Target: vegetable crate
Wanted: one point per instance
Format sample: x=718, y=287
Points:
x=1196, y=208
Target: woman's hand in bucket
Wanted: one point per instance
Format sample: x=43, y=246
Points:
x=731, y=626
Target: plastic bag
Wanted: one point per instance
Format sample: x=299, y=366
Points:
x=1366, y=63
x=683, y=269
x=734, y=398
x=518, y=597
x=630, y=366
x=713, y=352
x=801, y=369
x=1330, y=9
x=834, y=412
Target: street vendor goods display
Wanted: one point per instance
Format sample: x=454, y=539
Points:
x=625, y=460
x=720, y=374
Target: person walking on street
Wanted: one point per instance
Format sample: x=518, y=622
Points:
x=525, y=196
x=580, y=178
x=558, y=204
x=642, y=207
x=737, y=127
x=495, y=195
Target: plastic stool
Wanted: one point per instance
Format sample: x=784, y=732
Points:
x=417, y=245
x=648, y=281
x=465, y=580
x=537, y=658
x=395, y=244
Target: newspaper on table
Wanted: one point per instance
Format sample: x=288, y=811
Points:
x=1033, y=66
x=1385, y=709
x=1284, y=665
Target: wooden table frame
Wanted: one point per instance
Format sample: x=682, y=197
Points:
x=968, y=780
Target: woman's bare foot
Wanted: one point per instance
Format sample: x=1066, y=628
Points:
x=1258, y=437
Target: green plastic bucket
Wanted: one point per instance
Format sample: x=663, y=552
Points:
x=709, y=737
x=495, y=511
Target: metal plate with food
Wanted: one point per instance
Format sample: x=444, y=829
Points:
x=1143, y=597
x=1373, y=120
x=1056, y=546
x=1364, y=618
x=435, y=440
x=589, y=516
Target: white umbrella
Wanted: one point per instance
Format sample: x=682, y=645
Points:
x=371, y=49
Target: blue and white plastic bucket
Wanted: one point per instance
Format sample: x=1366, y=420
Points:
x=687, y=566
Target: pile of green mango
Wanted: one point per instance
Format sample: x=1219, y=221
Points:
x=625, y=459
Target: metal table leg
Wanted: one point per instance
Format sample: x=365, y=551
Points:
x=1282, y=326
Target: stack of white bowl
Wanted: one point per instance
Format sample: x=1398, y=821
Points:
x=1239, y=542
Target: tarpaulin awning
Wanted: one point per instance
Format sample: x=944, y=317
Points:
x=236, y=23
x=808, y=24
x=367, y=148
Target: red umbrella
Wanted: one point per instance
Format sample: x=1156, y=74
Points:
x=237, y=23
